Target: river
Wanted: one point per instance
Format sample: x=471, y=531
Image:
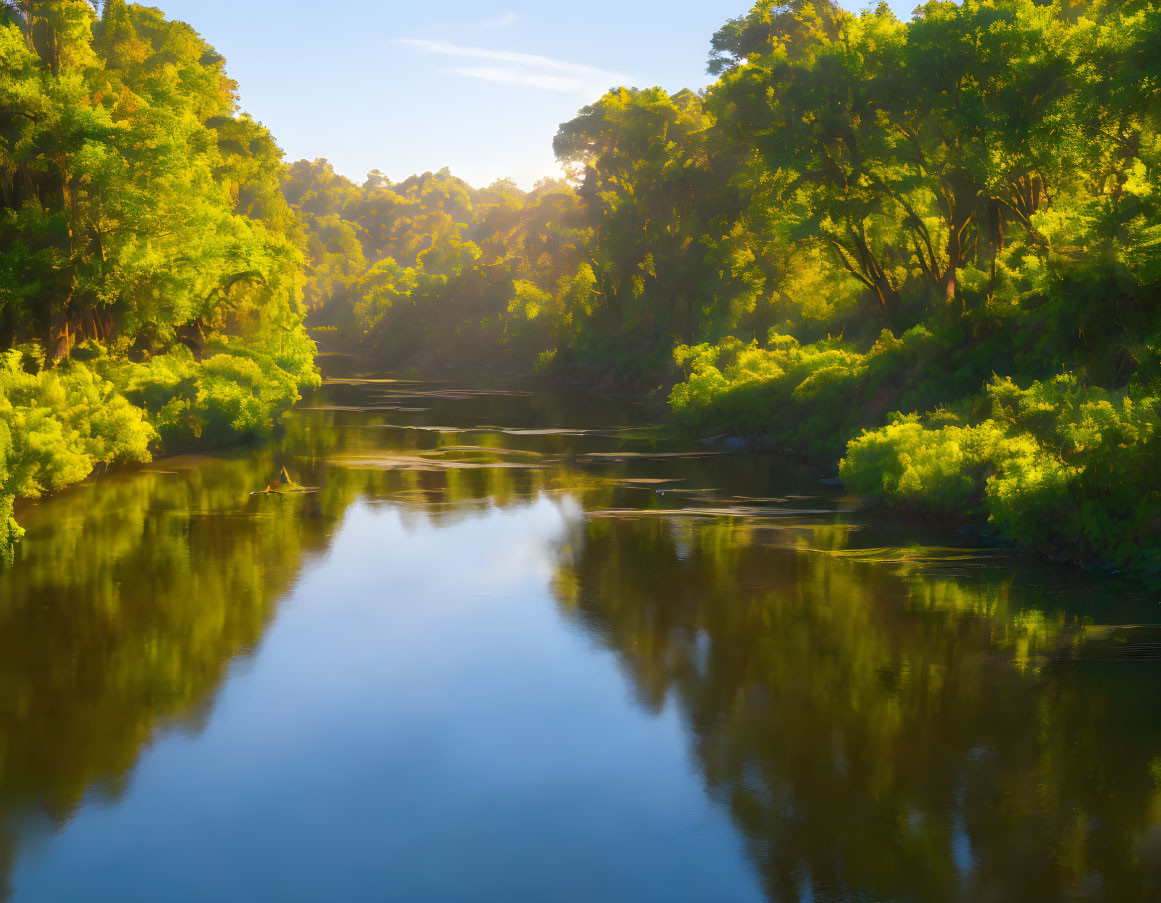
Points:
x=525, y=647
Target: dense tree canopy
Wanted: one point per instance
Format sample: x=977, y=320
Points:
x=431, y=272
x=136, y=203
x=149, y=263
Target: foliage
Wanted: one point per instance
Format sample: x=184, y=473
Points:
x=861, y=216
x=1059, y=465
x=431, y=271
x=236, y=391
x=10, y=531
x=145, y=246
x=55, y=428
x=986, y=175
x=793, y=395
x=63, y=423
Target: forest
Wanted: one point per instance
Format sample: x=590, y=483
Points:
x=151, y=275
x=923, y=253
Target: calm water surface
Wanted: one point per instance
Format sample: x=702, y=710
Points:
x=520, y=648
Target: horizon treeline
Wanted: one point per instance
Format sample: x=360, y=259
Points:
x=433, y=273
x=929, y=248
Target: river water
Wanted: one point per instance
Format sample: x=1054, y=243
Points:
x=522, y=647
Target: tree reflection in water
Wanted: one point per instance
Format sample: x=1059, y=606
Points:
x=880, y=731
x=882, y=721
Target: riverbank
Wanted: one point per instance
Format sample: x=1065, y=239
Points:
x=58, y=425
x=1060, y=466
x=151, y=273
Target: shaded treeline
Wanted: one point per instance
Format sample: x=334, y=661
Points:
x=432, y=273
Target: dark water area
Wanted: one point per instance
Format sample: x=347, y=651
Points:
x=519, y=646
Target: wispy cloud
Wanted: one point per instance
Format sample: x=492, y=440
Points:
x=505, y=21
x=542, y=80
x=529, y=70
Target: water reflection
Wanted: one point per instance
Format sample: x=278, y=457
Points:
x=882, y=733
x=131, y=599
x=883, y=713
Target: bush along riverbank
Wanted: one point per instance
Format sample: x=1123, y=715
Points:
x=1067, y=468
x=59, y=425
x=151, y=271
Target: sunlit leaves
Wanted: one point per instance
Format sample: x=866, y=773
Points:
x=138, y=215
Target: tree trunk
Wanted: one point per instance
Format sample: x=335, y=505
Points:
x=955, y=256
x=949, y=284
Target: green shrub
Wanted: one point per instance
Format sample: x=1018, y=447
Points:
x=942, y=470
x=10, y=531
x=1067, y=468
x=64, y=422
x=237, y=391
x=57, y=425
x=809, y=397
x=1061, y=465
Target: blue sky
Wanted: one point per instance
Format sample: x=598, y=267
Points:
x=406, y=87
